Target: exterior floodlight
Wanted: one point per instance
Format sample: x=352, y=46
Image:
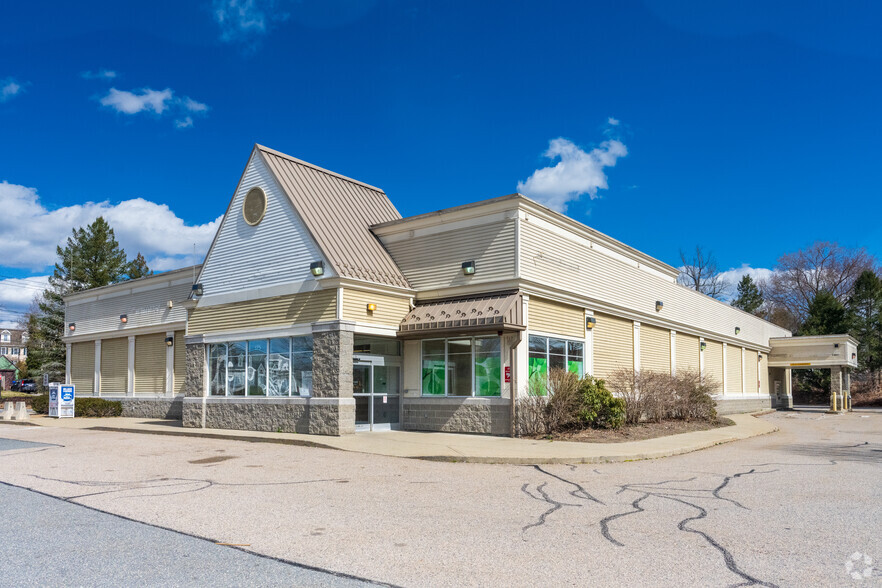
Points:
x=854, y=355
x=72, y=327
x=371, y=307
x=197, y=289
x=659, y=305
x=317, y=268
x=737, y=330
x=169, y=341
x=590, y=322
x=468, y=268
x=123, y=318
x=703, y=345
x=759, y=356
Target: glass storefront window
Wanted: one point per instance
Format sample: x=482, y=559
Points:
x=547, y=353
x=261, y=367
x=465, y=366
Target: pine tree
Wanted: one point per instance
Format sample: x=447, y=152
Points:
x=91, y=258
x=865, y=310
x=750, y=296
x=826, y=316
x=137, y=268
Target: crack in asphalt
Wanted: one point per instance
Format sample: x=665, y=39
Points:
x=159, y=483
x=545, y=498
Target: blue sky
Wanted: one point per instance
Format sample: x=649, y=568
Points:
x=750, y=128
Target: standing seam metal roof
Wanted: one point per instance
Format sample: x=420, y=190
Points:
x=339, y=212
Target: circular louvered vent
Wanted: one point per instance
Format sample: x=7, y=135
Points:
x=254, y=206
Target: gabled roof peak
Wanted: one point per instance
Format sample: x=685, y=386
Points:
x=266, y=149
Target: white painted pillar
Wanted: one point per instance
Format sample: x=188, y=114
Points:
x=725, y=368
x=130, y=389
x=636, y=347
x=701, y=358
x=67, y=364
x=96, y=386
x=589, y=345
x=521, y=372
x=673, y=353
x=743, y=374
x=788, y=390
x=170, y=365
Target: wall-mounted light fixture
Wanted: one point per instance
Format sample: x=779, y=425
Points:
x=197, y=289
x=169, y=341
x=123, y=318
x=659, y=305
x=737, y=330
x=171, y=304
x=703, y=345
x=317, y=268
x=590, y=322
x=371, y=307
x=854, y=355
x=72, y=327
x=759, y=356
x=468, y=268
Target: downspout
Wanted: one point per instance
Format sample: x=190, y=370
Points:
x=511, y=387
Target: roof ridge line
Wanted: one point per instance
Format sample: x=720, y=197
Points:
x=316, y=167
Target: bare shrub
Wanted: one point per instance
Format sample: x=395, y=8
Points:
x=531, y=415
x=564, y=401
x=656, y=396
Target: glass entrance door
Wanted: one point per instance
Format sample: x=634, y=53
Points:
x=376, y=388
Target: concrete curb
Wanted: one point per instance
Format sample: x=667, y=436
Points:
x=246, y=438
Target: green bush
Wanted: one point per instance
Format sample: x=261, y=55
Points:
x=599, y=408
x=97, y=407
x=83, y=407
x=40, y=404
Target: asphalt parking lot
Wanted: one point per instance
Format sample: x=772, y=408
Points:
x=800, y=507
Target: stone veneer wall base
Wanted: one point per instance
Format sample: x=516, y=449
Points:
x=314, y=416
x=142, y=407
x=744, y=405
x=489, y=416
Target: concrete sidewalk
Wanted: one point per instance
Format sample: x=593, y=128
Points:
x=449, y=446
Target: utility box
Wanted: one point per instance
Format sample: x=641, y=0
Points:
x=61, y=400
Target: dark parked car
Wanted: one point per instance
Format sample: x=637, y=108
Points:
x=28, y=385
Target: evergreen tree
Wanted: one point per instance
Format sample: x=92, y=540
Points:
x=750, y=296
x=138, y=268
x=826, y=316
x=865, y=311
x=91, y=258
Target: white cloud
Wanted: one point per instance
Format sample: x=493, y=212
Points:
x=19, y=292
x=578, y=172
x=733, y=275
x=241, y=19
x=158, y=101
x=10, y=88
x=140, y=226
x=102, y=74
x=132, y=103
x=614, y=122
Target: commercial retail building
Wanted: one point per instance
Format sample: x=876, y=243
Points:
x=318, y=309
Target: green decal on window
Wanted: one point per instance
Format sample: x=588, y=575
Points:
x=575, y=367
x=487, y=376
x=433, y=376
x=538, y=367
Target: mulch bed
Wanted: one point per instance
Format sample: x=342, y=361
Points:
x=637, y=432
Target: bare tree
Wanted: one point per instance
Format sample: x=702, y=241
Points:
x=824, y=266
x=700, y=273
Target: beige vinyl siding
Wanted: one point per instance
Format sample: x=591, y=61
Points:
x=555, y=318
x=82, y=367
x=150, y=364
x=750, y=371
x=763, y=367
x=582, y=268
x=391, y=310
x=435, y=260
x=100, y=312
x=114, y=366
x=655, y=349
x=733, y=369
x=279, y=311
x=687, y=353
x=180, y=369
x=713, y=364
x=613, y=345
